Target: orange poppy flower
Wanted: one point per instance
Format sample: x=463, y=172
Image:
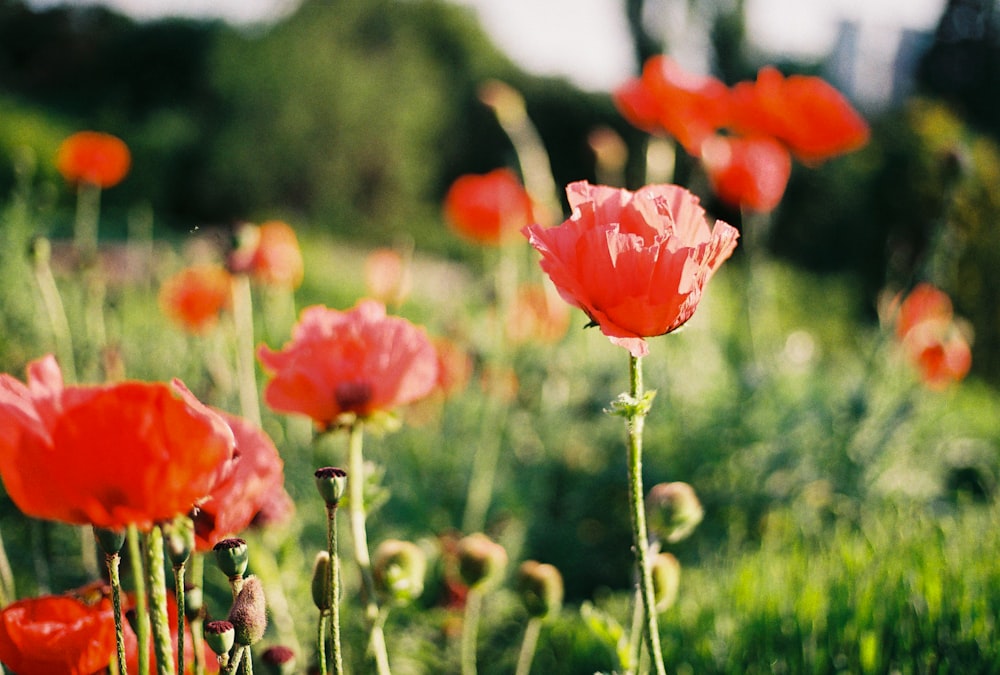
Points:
x=57, y=635
x=256, y=470
x=269, y=253
x=688, y=107
x=107, y=455
x=635, y=263
x=931, y=338
x=749, y=173
x=805, y=113
x=93, y=157
x=356, y=362
x=195, y=296
x=488, y=209
x=924, y=303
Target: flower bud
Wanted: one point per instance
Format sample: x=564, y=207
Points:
x=673, y=510
x=110, y=541
x=321, y=581
x=278, y=660
x=220, y=636
x=178, y=540
x=194, y=602
x=232, y=557
x=399, y=568
x=481, y=561
x=666, y=571
x=541, y=588
x=331, y=483
x=249, y=612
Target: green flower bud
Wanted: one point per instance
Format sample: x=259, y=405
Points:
x=220, y=636
x=399, y=568
x=249, y=612
x=331, y=483
x=110, y=541
x=673, y=510
x=278, y=660
x=541, y=588
x=666, y=571
x=321, y=581
x=232, y=557
x=481, y=561
x=178, y=540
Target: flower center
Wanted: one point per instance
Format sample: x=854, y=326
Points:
x=352, y=396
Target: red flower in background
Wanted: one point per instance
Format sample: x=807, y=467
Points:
x=93, y=157
x=747, y=172
x=269, y=253
x=931, y=338
x=251, y=481
x=537, y=315
x=195, y=296
x=109, y=455
x=387, y=276
x=805, y=113
x=488, y=209
x=635, y=263
x=688, y=107
x=357, y=362
x=57, y=635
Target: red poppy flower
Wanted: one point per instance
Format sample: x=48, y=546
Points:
x=195, y=296
x=387, y=276
x=93, y=157
x=256, y=471
x=269, y=253
x=57, y=635
x=688, y=107
x=749, y=173
x=636, y=263
x=931, y=338
x=924, y=303
x=806, y=113
x=488, y=209
x=356, y=362
x=109, y=455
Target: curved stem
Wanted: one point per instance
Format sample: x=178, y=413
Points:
x=158, y=602
x=141, y=615
x=528, y=646
x=113, y=562
x=356, y=492
x=635, y=421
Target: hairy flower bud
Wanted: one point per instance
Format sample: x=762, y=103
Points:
x=541, y=588
x=673, y=510
x=666, y=571
x=481, y=561
x=249, y=612
x=321, y=581
x=399, y=568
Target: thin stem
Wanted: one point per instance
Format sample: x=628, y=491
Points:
x=245, y=368
x=88, y=209
x=234, y=663
x=635, y=422
x=333, y=588
x=113, y=561
x=528, y=646
x=158, y=602
x=321, y=642
x=179, y=600
x=55, y=311
x=141, y=615
x=356, y=488
x=635, y=634
x=6, y=577
x=470, y=630
x=196, y=574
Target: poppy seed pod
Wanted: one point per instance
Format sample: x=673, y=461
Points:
x=110, y=541
x=232, y=557
x=249, y=612
x=673, y=510
x=666, y=572
x=278, y=660
x=320, y=581
x=331, y=483
x=481, y=561
x=178, y=539
x=399, y=568
x=220, y=636
x=541, y=588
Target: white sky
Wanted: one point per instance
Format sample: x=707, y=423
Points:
x=587, y=40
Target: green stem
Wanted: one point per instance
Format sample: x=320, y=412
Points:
x=113, y=562
x=179, y=600
x=356, y=488
x=333, y=588
x=635, y=634
x=141, y=615
x=55, y=311
x=528, y=646
x=321, y=642
x=158, y=602
x=245, y=367
x=470, y=629
x=635, y=422
x=6, y=577
x=88, y=209
x=196, y=575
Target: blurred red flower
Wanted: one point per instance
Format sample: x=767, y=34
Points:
x=688, y=107
x=256, y=472
x=57, y=635
x=635, y=263
x=931, y=338
x=751, y=173
x=93, y=157
x=387, y=276
x=488, y=209
x=454, y=366
x=923, y=303
x=106, y=455
x=537, y=315
x=269, y=253
x=805, y=113
x=195, y=296
x=356, y=362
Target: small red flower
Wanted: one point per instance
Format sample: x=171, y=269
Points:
x=635, y=263
x=57, y=635
x=488, y=209
x=805, y=113
x=924, y=303
x=93, y=157
x=357, y=362
x=750, y=173
x=196, y=296
x=931, y=338
x=256, y=472
x=269, y=253
x=108, y=455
